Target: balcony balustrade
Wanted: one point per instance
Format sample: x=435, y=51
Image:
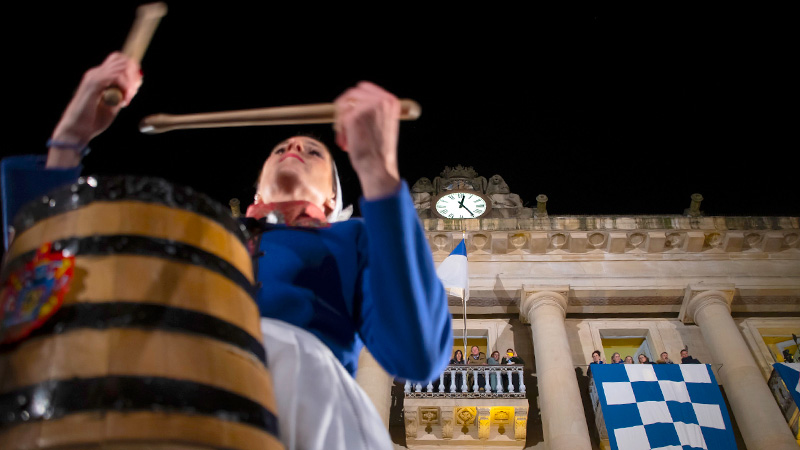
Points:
x=467, y=381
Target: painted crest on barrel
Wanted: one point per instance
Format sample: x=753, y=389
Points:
x=34, y=292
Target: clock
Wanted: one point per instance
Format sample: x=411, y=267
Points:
x=461, y=205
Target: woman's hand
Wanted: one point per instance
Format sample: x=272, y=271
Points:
x=367, y=126
x=87, y=115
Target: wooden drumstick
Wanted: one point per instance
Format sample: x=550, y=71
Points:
x=147, y=18
x=280, y=115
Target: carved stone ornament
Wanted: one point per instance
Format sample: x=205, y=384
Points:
x=465, y=415
x=520, y=429
x=459, y=178
x=447, y=424
x=484, y=423
x=421, y=193
x=429, y=415
x=458, y=171
x=503, y=415
x=411, y=423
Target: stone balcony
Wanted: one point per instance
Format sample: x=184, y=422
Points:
x=468, y=407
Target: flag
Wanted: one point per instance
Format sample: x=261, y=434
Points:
x=453, y=271
x=664, y=406
x=790, y=372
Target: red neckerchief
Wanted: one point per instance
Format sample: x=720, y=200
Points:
x=296, y=213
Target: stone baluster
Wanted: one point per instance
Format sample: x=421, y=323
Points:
x=452, y=373
x=464, y=387
x=521, y=372
x=499, y=375
x=441, y=382
x=760, y=421
x=510, y=381
x=563, y=418
x=429, y=387
x=418, y=387
x=474, y=380
x=407, y=388
x=486, y=387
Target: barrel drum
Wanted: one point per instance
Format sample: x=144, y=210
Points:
x=156, y=343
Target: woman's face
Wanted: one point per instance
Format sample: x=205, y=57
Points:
x=629, y=360
x=299, y=164
x=496, y=355
x=642, y=359
x=459, y=356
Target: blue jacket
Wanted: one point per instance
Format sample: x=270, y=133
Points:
x=363, y=281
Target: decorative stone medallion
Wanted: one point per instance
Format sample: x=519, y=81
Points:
x=440, y=241
x=558, y=240
x=636, y=239
x=465, y=416
x=596, y=240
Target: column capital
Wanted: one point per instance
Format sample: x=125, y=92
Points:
x=533, y=297
x=699, y=296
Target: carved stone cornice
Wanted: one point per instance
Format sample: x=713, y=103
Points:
x=580, y=235
x=699, y=297
x=535, y=297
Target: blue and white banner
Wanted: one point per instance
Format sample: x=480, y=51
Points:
x=453, y=271
x=662, y=406
x=790, y=372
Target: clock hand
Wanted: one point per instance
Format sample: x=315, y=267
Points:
x=470, y=212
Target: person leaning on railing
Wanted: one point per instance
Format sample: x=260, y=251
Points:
x=493, y=360
x=511, y=358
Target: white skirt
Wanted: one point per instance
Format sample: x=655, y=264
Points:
x=320, y=406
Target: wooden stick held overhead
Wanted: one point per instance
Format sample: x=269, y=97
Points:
x=280, y=115
x=147, y=18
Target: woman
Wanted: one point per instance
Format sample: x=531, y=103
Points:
x=328, y=279
x=458, y=358
x=493, y=360
x=629, y=359
x=643, y=359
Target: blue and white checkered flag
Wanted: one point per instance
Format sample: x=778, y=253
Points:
x=662, y=406
x=790, y=372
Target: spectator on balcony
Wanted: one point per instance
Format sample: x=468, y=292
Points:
x=477, y=357
x=458, y=358
x=687, y=359
x=597, y=358
x=616, y=359
x=643, y=359
x=664, y=359
x=629, y=359
x=493, y=360
x=511, y=358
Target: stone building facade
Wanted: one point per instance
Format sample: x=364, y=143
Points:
x=557, y=288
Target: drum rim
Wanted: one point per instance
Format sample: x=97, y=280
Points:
x=112, y=188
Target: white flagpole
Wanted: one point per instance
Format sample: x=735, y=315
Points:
x=466, y=290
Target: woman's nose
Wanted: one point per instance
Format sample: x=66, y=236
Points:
x=295, y=145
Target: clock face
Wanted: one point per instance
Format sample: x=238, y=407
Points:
x=461, y=205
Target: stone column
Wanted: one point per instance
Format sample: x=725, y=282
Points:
x=376, y=383
x=560, y=401
x=760, y=421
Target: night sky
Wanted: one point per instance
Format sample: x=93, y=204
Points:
x=603, y=110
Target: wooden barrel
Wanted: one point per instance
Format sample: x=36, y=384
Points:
x=156, y=343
